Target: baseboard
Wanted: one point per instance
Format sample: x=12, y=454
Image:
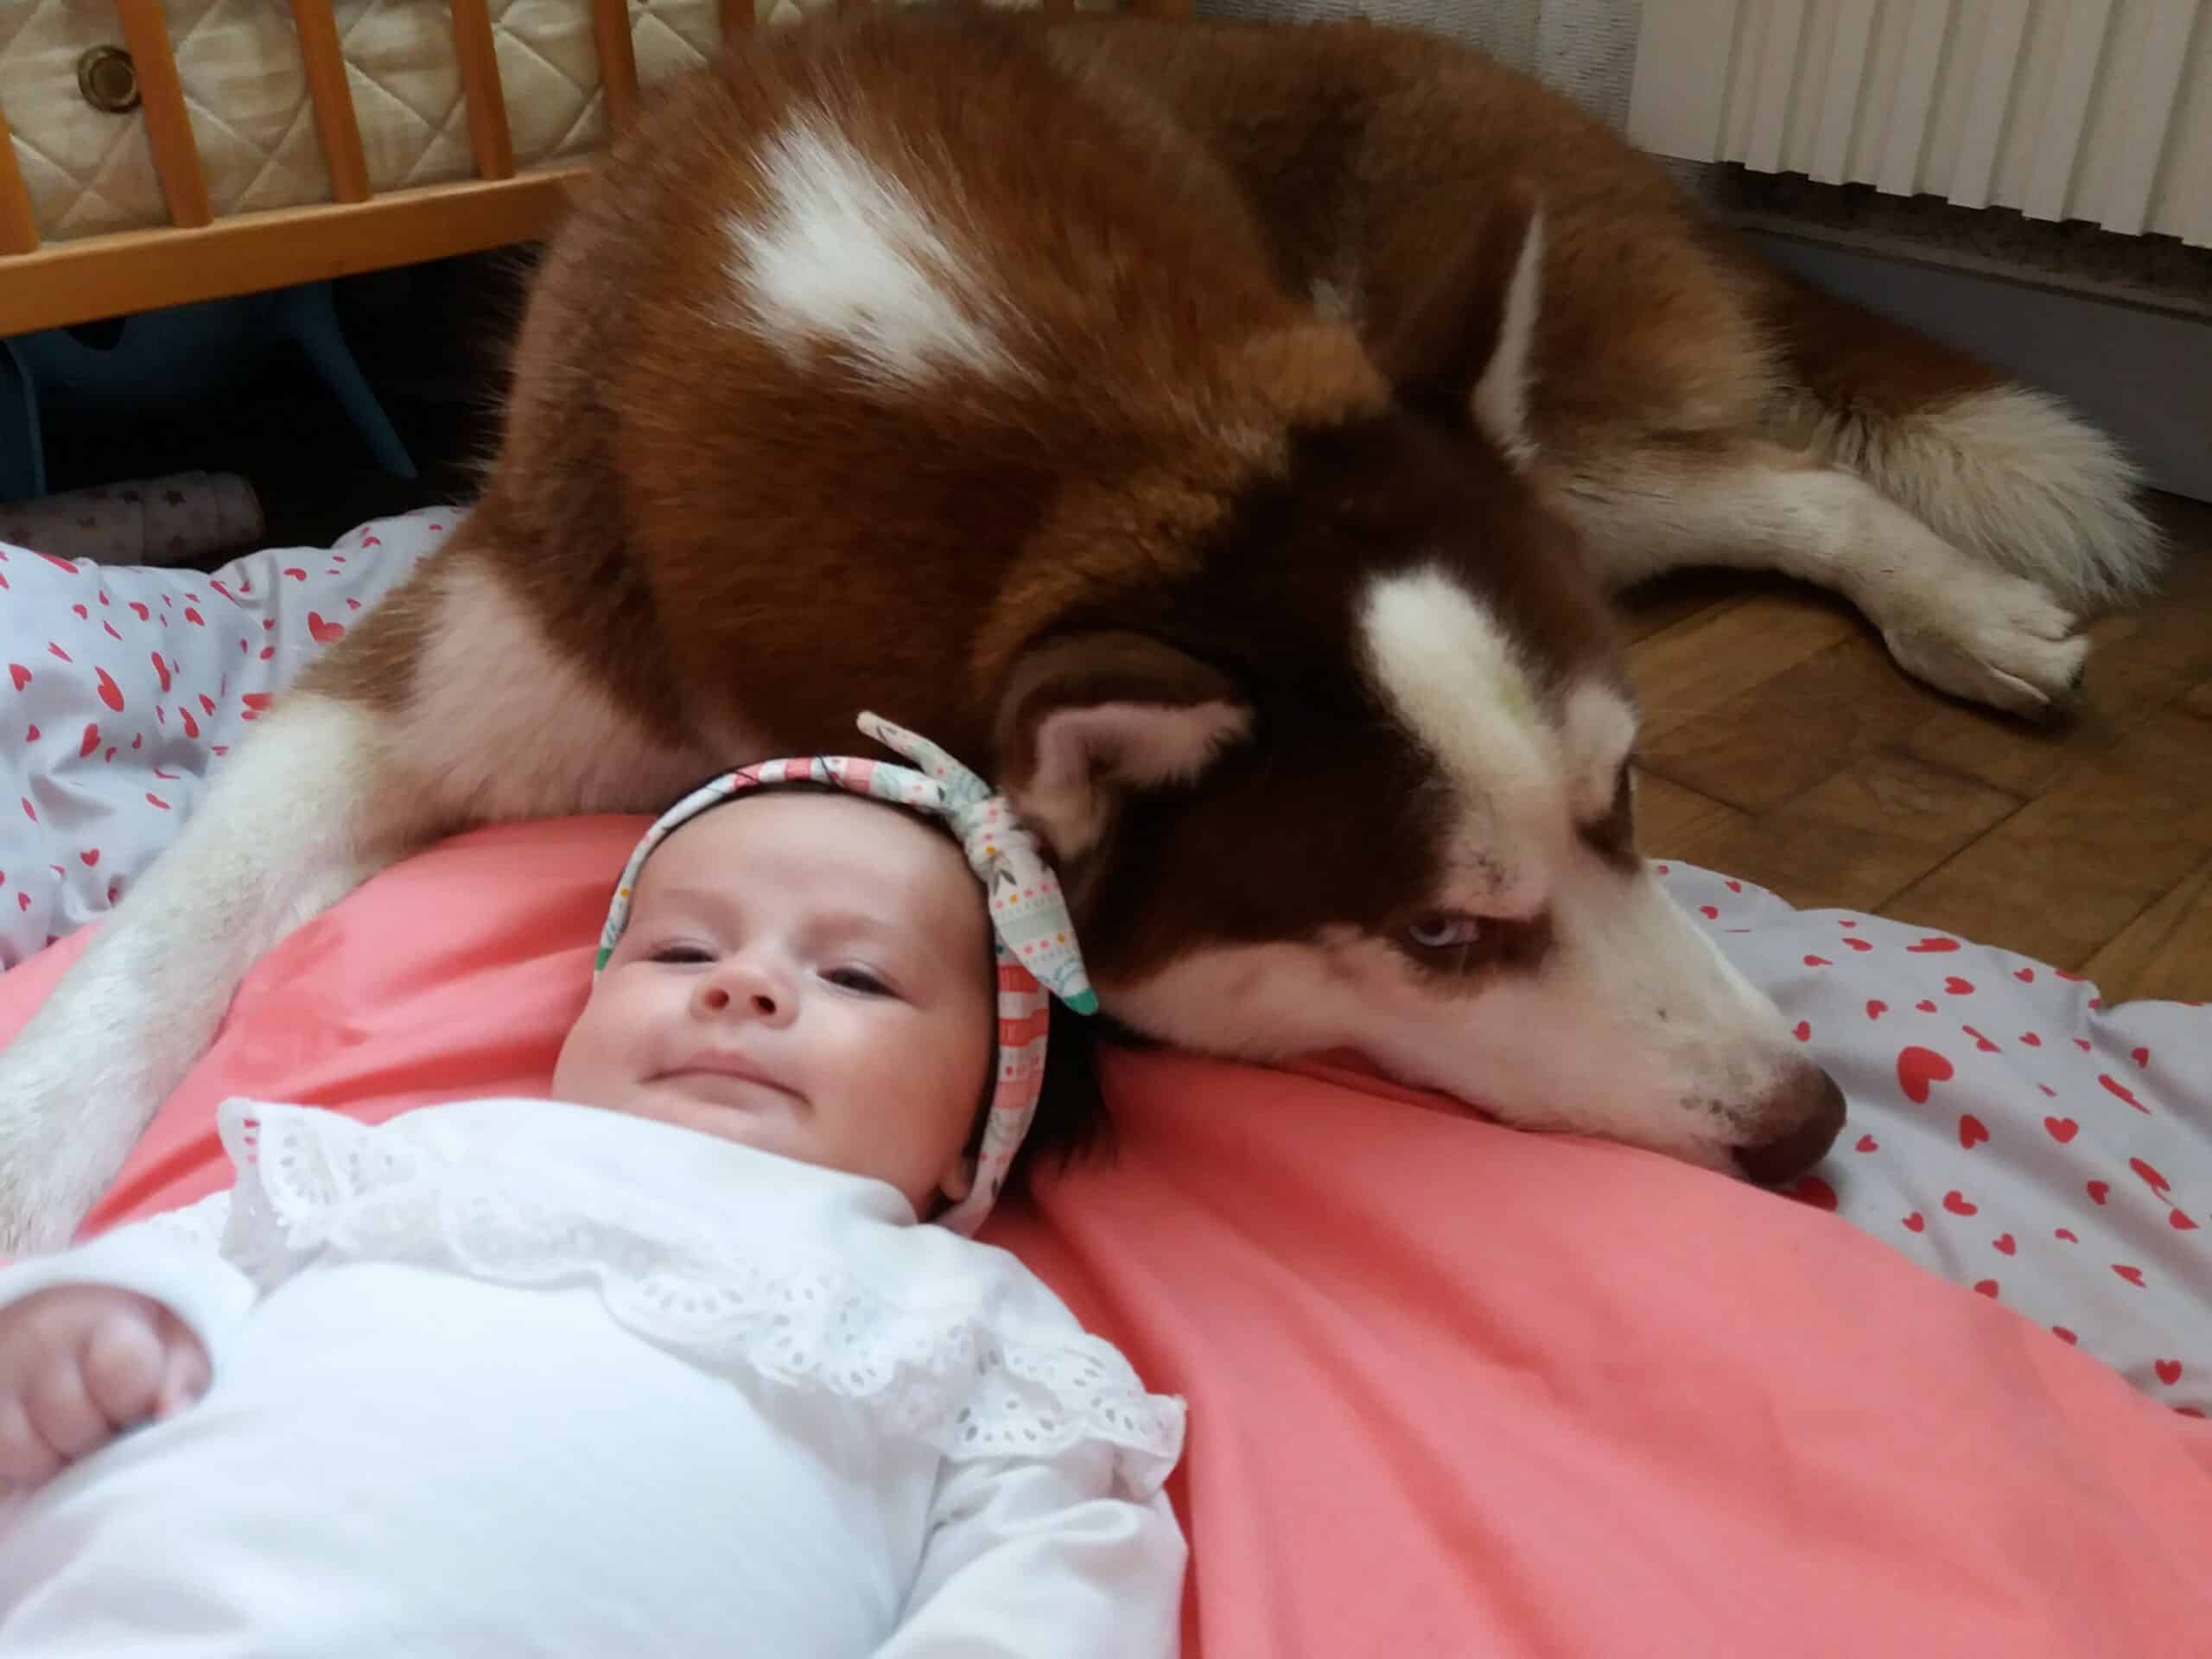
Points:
x=2143, y=375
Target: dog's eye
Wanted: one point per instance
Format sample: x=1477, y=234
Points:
x=1444, y=929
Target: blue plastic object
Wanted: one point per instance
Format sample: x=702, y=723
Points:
x=174, y=356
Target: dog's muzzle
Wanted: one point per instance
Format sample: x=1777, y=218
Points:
x=1812, y=1104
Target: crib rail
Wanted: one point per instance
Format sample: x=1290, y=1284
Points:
x=203, y=255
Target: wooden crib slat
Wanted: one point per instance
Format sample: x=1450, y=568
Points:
x=480, y=81
x=18, y=225
x=332, y=96
x=736, y=14
x=618, y=62
x=168, y=125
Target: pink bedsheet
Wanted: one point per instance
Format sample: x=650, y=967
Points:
x=1454, y=1390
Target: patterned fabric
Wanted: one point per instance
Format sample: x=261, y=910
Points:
x=1029, y=917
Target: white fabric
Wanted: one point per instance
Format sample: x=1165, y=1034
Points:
x=525, y=1378
x=121, y=686
x=2008, y=1131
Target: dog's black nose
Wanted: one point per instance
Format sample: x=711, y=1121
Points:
x=1797, y=1149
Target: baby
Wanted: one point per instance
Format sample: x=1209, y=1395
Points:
x=670, y=1364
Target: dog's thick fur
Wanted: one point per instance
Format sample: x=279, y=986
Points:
x=1223, y=435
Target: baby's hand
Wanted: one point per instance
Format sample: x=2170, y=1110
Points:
x=79, y=1364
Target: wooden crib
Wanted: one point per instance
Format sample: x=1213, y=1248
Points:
x=201, y=254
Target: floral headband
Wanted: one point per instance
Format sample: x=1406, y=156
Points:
x=1035, y=939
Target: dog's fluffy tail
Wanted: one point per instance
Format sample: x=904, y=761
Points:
x=1992, y=465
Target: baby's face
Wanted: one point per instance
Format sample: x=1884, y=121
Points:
x=806, y=973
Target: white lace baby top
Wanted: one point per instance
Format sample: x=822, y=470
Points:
x=736, y=1260
x=535, y=1381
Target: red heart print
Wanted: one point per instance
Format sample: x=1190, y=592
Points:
x=82, y=612
x=2047, y=1090
x=144, y=615
x=31, y=733
x=109, y=629
x=1876, y=1008
x=2134, y=1275
x=2063, y=1130
x=368, y=540
x=2082, y=1043
x=2158, y=1183
x=1919, y=1067
x=56, y=650
x=2006, y=1244
x=191, y=726
x=1972, y=1132
x=2030, y=1040
x=1916, y=1222
x=90, y=856
x=1956, y=987
x=2181, y=1221
x=2168, y=1371
x=153, y=799
x=1735, y=886
x=207, y=703
x=110, y=693
x=1815, y=1191
x=20, y=675
x=59, y=564
x=23, y=902
x=1958, y=1204
x=267, y=651
x=1858, y=945
x=2026, y=975
x=1868, y=1143
x=1924, y=1006
x=2065, y=1336
x=1933, y=945
x=162, y=668
x=92, y=741
x=1804, y=1031
x=1817, y=961
x=2068, y=1234
x=30, y=811
x=296, y=573
x=1981, y=1041
x=2096, y=1002
x=255, y=700
x=2140, y=1056
x=1985, y=1287
x=324, y=632
x=2099, y=1191
x=355, y=605
x=1709, y=913
x=2120, y=1090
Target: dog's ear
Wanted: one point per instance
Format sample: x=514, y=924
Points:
x=1087, y=718
x=1463, y=348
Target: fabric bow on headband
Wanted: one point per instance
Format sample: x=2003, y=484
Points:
x=1033, y=934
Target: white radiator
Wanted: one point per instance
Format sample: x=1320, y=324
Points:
x=2097, y=110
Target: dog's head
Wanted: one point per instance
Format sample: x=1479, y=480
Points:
x=1361, y=778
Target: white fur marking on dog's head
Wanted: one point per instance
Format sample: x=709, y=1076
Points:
x=1456, y=680
x=843, y=253
x=1501, y=396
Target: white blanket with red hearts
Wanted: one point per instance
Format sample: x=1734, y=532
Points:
x=2008, y=1130
x=126, y=684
